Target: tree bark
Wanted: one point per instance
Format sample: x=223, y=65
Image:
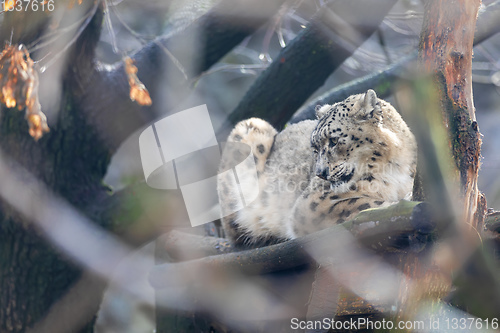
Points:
x=441, y=106
x=446, y=49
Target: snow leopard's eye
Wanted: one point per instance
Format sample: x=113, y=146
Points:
x=333, y=142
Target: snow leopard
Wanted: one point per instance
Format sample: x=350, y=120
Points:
x=358, y=154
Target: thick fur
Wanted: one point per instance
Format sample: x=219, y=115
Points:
x=359, y=154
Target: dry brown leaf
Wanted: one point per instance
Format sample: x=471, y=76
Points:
x=138, y=91
x=19, y=87
x=37, y=125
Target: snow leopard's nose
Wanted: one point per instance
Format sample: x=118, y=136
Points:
x=323, y=173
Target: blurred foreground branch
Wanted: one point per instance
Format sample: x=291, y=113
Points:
x=379, y=229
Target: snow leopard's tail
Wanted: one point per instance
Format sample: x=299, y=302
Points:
x=259, y=135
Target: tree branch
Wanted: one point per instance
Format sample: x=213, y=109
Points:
x=381, y=82
x=303, y=66
x=487, y=26
x=379, y=229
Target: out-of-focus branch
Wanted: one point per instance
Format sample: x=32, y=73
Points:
x=106, y=101
x=324, y=298
x=382, y=82
x=379, y=229
x=309, y=59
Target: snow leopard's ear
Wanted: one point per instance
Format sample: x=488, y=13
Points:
x=322, y=110
x=370, y=107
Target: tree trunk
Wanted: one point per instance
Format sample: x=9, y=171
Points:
x=446, y=49
x=443, y=107
x=34, y=274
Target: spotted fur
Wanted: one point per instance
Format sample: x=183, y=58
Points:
x=359, y=154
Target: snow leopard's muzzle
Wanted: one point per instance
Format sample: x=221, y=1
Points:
x=336, y=175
